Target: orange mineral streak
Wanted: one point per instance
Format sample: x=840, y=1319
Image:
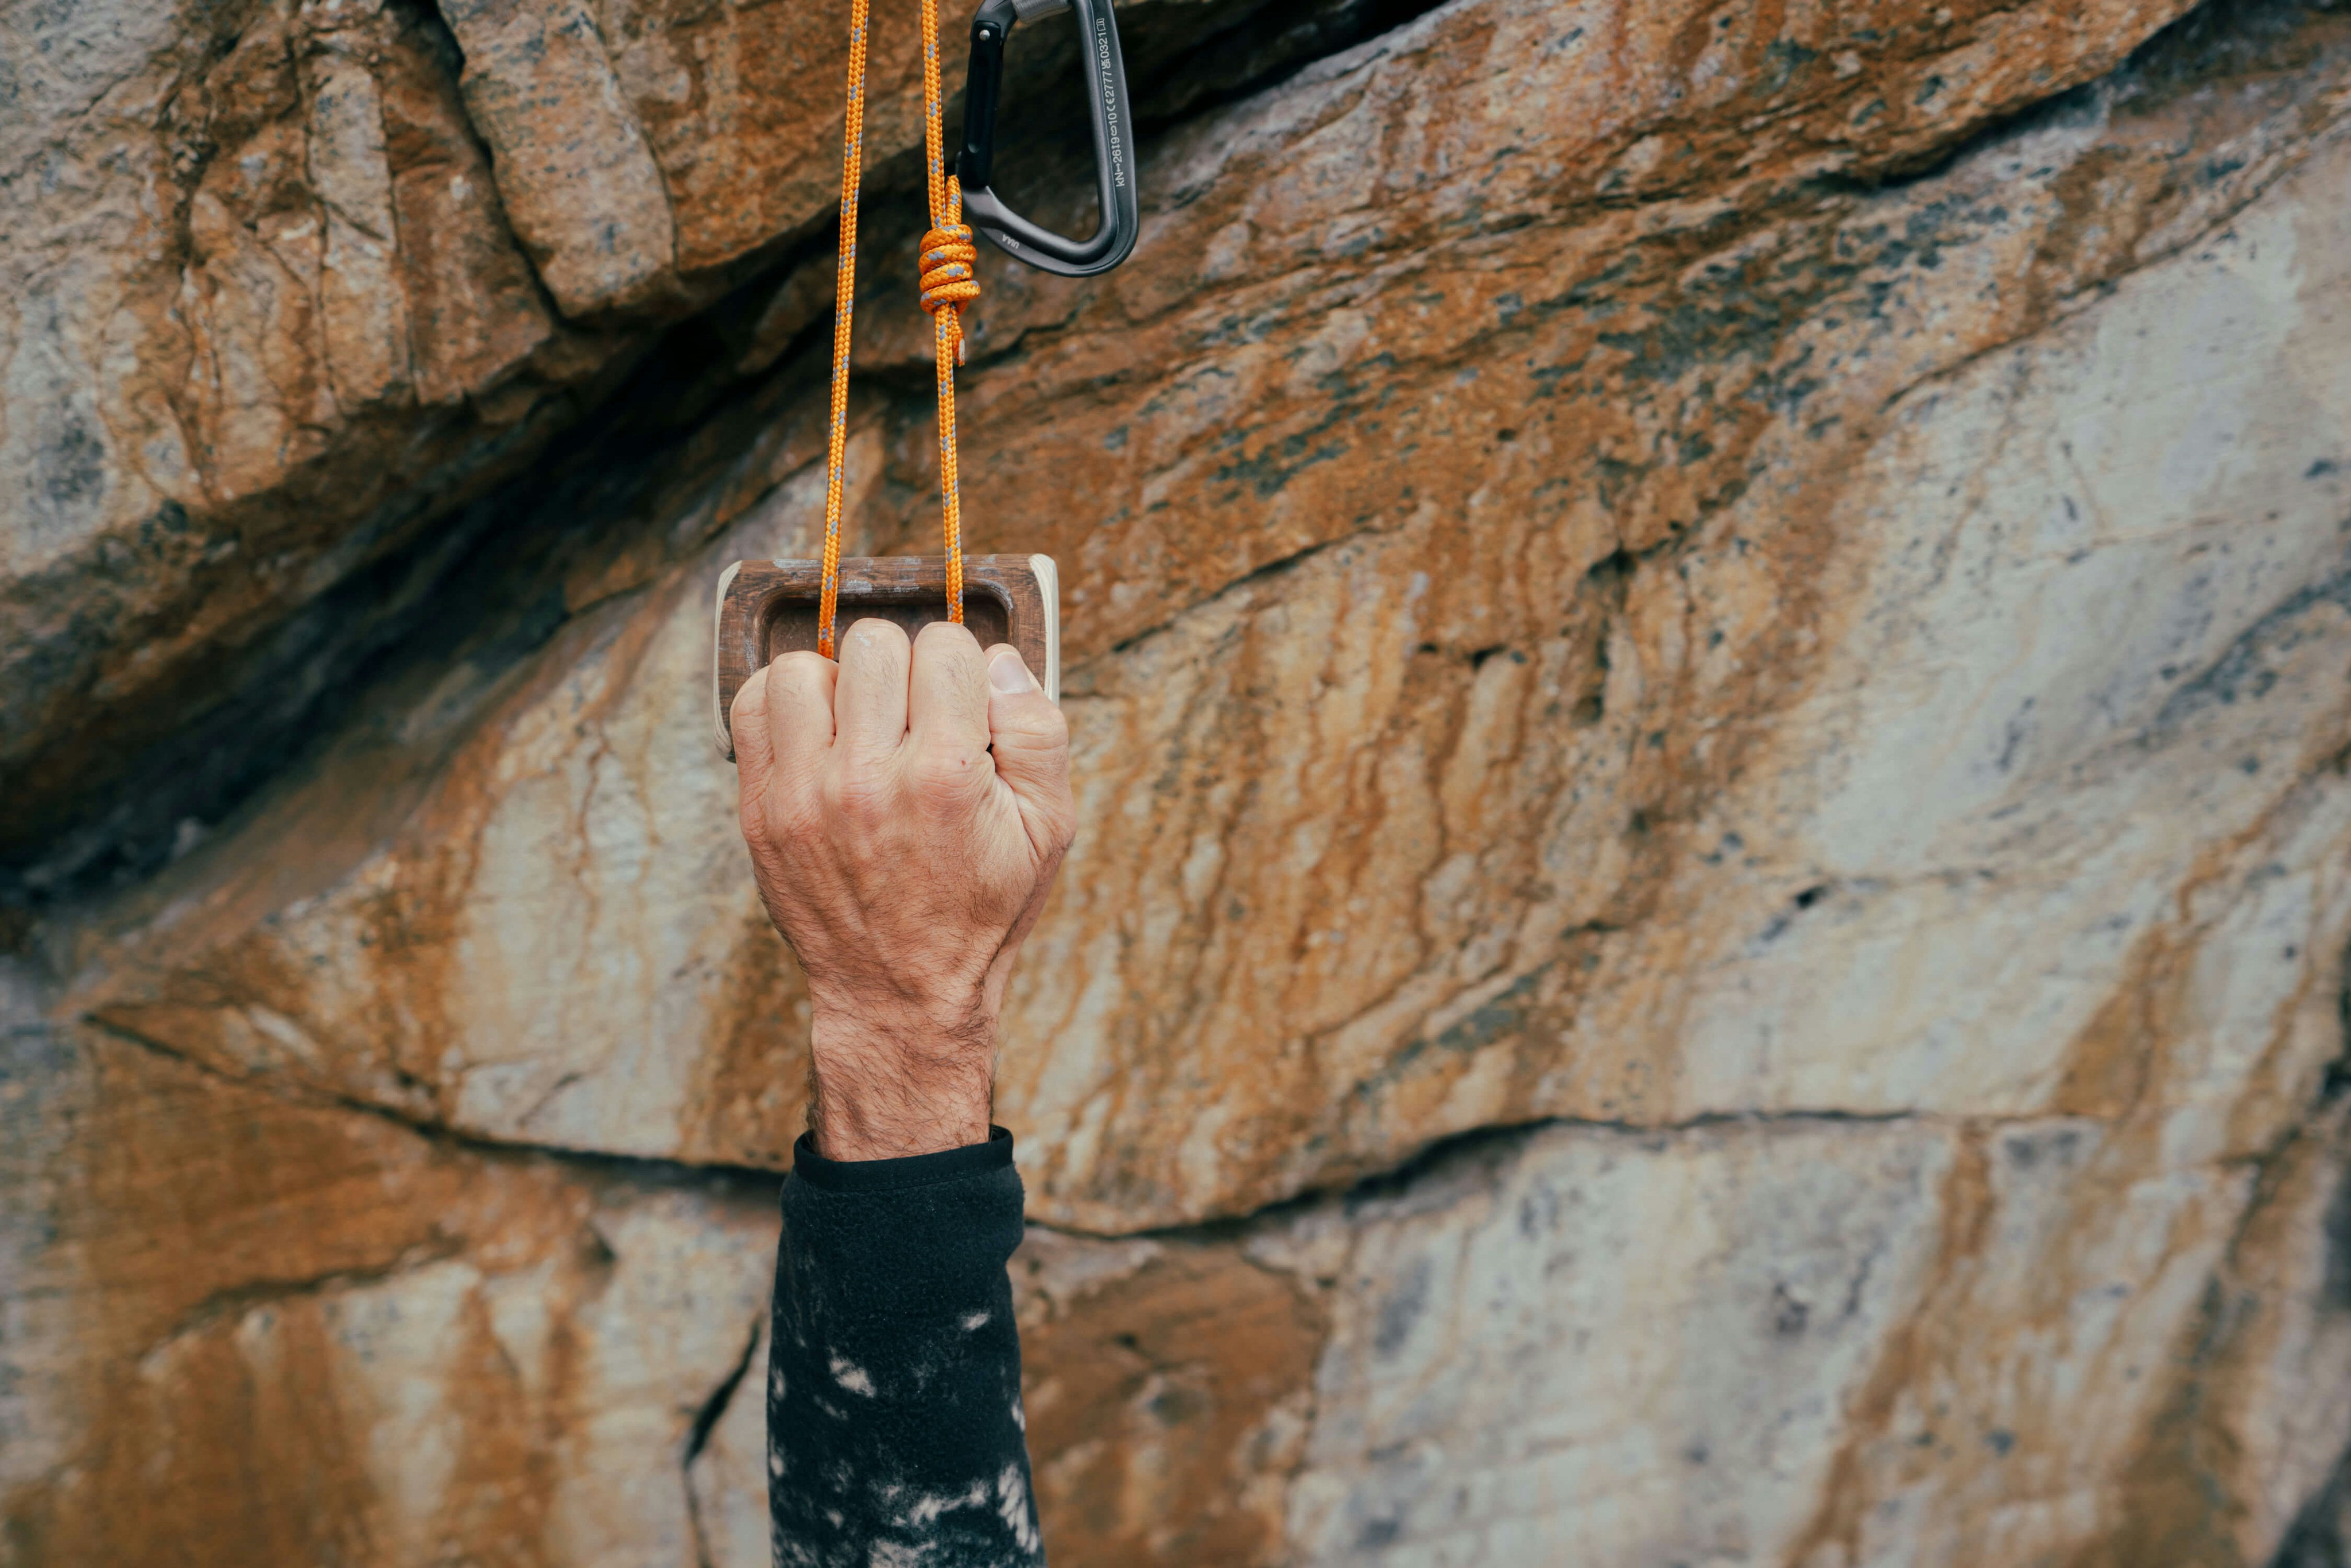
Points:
x=950, y=280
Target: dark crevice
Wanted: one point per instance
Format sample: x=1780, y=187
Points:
x=278, y=697
x=2213, y=39
x=1493, y=1147
x=1244, y=62
x=1279, y=567
x=698, y=1438
x=2337, y=1083
x=2335, y=1237
x=707, y=1418
x=2337, y=1227
x=238, y=1302
x=2245, y=670
x=2219, y=37
x=641, y=1171
x=1488, y=1143
x=2076, y=105
x=2316, y=1537
x=2320, y=1536
x=1612, y=571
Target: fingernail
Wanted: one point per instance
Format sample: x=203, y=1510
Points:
x=1006, y=672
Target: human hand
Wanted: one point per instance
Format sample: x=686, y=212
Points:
x=906, y=810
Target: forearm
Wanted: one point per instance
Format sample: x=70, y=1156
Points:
x=889, y=1085
x=893, y=1394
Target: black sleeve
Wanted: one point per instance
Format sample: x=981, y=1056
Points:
x=894, y=1428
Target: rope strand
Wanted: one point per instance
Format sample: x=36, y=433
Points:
x=950, y=280
x=853, y=164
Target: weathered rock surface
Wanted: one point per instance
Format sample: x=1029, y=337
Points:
x=1499, y=1388
x=1512, y=802
x=1672, y=1347
x=264, y=314
x=287, y=282
x=1766, y=595
x=324, y=1338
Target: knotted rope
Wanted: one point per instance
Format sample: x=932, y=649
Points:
x=950, y=280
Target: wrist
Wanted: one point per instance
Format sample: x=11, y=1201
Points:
x=892, y=1082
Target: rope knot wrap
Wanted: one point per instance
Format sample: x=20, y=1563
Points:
x=951, y=275
x=950, y=280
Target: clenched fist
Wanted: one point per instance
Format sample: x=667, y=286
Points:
x=905, y=811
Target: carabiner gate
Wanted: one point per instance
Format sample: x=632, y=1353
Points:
x=1113, y=238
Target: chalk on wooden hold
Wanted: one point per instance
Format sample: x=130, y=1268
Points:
x=769, y=607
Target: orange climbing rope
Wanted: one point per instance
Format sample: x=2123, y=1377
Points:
x=950, y=280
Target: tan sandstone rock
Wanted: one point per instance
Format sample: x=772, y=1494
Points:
x=1510, y=804
x=1662, y=579
x=256, y=267
x=242, y=1329
x=269, y=1331
x=265, y=329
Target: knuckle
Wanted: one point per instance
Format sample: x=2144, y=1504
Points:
x=940, y=773
x=873, y=636
x=804, y=682
x=947, y=636
x=858, y=797
x=799, y=667
x=776, y=818
x=796, y=818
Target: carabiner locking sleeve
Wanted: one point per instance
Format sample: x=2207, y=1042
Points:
x=1113, y=238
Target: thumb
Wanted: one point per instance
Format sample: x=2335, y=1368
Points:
x=1032, y=743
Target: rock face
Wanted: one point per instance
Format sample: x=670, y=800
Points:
x=1709, y=655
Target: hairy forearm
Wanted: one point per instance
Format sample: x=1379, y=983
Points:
x=888, y=1086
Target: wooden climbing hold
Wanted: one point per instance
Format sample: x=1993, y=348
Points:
x=769, y=607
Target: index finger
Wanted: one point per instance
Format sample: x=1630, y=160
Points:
x=800, y=714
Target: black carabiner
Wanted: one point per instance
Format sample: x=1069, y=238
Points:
x=1113, y=238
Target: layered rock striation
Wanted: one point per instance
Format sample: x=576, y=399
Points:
x=1707, y=651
